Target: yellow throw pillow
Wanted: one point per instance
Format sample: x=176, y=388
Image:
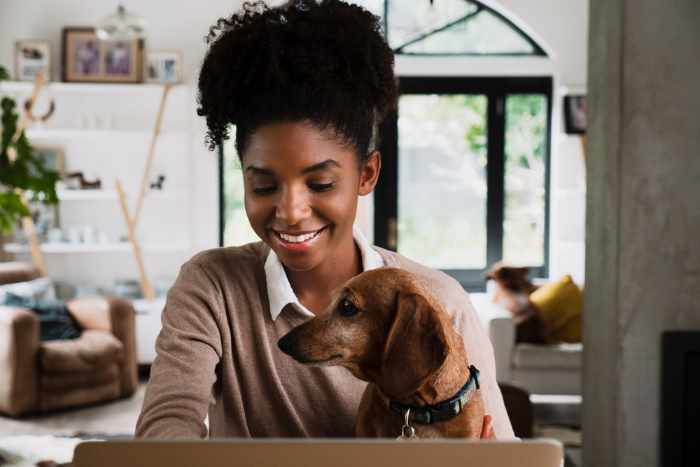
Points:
x=560, y=304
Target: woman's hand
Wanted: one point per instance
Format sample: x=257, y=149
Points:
x=487, y=428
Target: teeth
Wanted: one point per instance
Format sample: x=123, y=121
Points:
x=298, y=238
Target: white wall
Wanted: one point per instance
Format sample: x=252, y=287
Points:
x=561, y=25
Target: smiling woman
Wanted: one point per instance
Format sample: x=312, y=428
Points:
x=305, y=85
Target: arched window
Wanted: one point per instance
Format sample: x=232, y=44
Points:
x=450, y=27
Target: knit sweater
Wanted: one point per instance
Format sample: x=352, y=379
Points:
x=217, y=354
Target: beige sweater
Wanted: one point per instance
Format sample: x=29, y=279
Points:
x=217, y=353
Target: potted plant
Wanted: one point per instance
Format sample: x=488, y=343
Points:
x=23, y=176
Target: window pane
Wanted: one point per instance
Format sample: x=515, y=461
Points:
x=374, y=6
x=409, y=20
x=481, y=34
x=442, y=180
x=526, y=146
x=237, y=229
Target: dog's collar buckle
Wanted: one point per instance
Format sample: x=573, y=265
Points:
x=425, y=415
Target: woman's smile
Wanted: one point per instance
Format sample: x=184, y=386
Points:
x=298, y=241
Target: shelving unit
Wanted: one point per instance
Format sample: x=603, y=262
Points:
x=104, y=130
x=118, y=247
x=111, y=195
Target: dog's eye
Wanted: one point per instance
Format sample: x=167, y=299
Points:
x=347, y=308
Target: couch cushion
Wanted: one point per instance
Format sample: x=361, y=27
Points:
x=560, y=304
x=94, y=349
x=75, y=397
x=63, y=380
x=564, y=356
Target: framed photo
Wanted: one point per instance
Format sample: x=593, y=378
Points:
x=32, y=57
x=575, y=114
x=164, y=66
x=87, y=59
x=52, y=156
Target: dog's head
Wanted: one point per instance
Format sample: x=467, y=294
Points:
x=382, y=327
x=510, y=278
x=512, y=286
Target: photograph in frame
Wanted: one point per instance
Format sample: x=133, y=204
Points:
x=53, y=157
x=87, y=59
x=164, y=66
x=575, y=114
x=31, y=57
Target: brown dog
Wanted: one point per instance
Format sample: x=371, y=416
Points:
x=513, y=287
x=386, y=329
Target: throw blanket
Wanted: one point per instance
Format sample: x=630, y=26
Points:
x=55, y=321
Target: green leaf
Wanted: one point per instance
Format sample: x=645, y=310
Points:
x=3, y=73
x=26, y=173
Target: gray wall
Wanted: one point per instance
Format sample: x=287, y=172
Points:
x=643, y=216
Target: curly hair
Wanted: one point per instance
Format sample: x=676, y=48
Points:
x=325, y=62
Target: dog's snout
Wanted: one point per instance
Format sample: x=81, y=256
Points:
x=285, y=344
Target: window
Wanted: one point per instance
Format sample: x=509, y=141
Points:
x=234, y=227
x=450, y=27
x=465, y=174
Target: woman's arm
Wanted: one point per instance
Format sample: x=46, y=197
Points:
x=480, y=353
x=188, y=349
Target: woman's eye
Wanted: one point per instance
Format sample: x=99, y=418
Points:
x=321, y=186
x=347, y=308
x=264, y=190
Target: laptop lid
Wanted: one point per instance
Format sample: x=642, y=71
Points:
x=318, y=453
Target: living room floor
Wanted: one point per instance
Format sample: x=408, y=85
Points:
x=113, y=419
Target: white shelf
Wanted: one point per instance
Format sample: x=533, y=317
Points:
x=111, y=195
x=38, y=133
x=110, y=89
x=92, y=248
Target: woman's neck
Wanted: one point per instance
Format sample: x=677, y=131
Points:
x=314, y=287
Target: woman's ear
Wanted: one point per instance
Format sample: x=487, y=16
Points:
x=369, y=173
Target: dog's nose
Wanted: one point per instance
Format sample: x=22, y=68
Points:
x=285, y=344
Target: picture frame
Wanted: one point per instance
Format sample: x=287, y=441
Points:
x=164, y=66
x=53, y=157
x=88, y=59
x=31, y=57
x=575, y=114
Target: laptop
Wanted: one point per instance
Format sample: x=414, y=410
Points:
x=319, y=453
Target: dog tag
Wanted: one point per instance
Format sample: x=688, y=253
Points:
x=407, y=431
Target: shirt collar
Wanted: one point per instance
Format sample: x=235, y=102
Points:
x=279, y=290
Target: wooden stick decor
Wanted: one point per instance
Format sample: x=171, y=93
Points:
x=132, y=222
x=135, y=246
x=27, y=222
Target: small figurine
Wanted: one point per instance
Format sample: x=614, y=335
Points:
x=84, y=184
x=158, y=184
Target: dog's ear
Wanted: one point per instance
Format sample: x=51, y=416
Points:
x=415, y=348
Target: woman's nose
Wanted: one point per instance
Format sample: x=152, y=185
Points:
x=292, y=206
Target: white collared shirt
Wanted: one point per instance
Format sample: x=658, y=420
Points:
x=279, y=290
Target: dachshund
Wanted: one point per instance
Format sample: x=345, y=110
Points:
x=513, y=287
x=386, y=329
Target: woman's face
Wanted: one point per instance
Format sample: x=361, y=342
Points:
x=301, y=189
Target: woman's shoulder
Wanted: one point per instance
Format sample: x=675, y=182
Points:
x=230, y=261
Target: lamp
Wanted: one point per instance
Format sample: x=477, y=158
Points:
x=121, y=25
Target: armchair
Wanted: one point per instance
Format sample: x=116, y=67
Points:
x=539, y=369
x=38, y=377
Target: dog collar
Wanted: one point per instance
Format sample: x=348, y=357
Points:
x=427, y=414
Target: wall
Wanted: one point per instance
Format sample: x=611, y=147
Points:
x=643, y=222
x=561, y=26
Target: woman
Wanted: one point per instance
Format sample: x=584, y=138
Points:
x=305, y=85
